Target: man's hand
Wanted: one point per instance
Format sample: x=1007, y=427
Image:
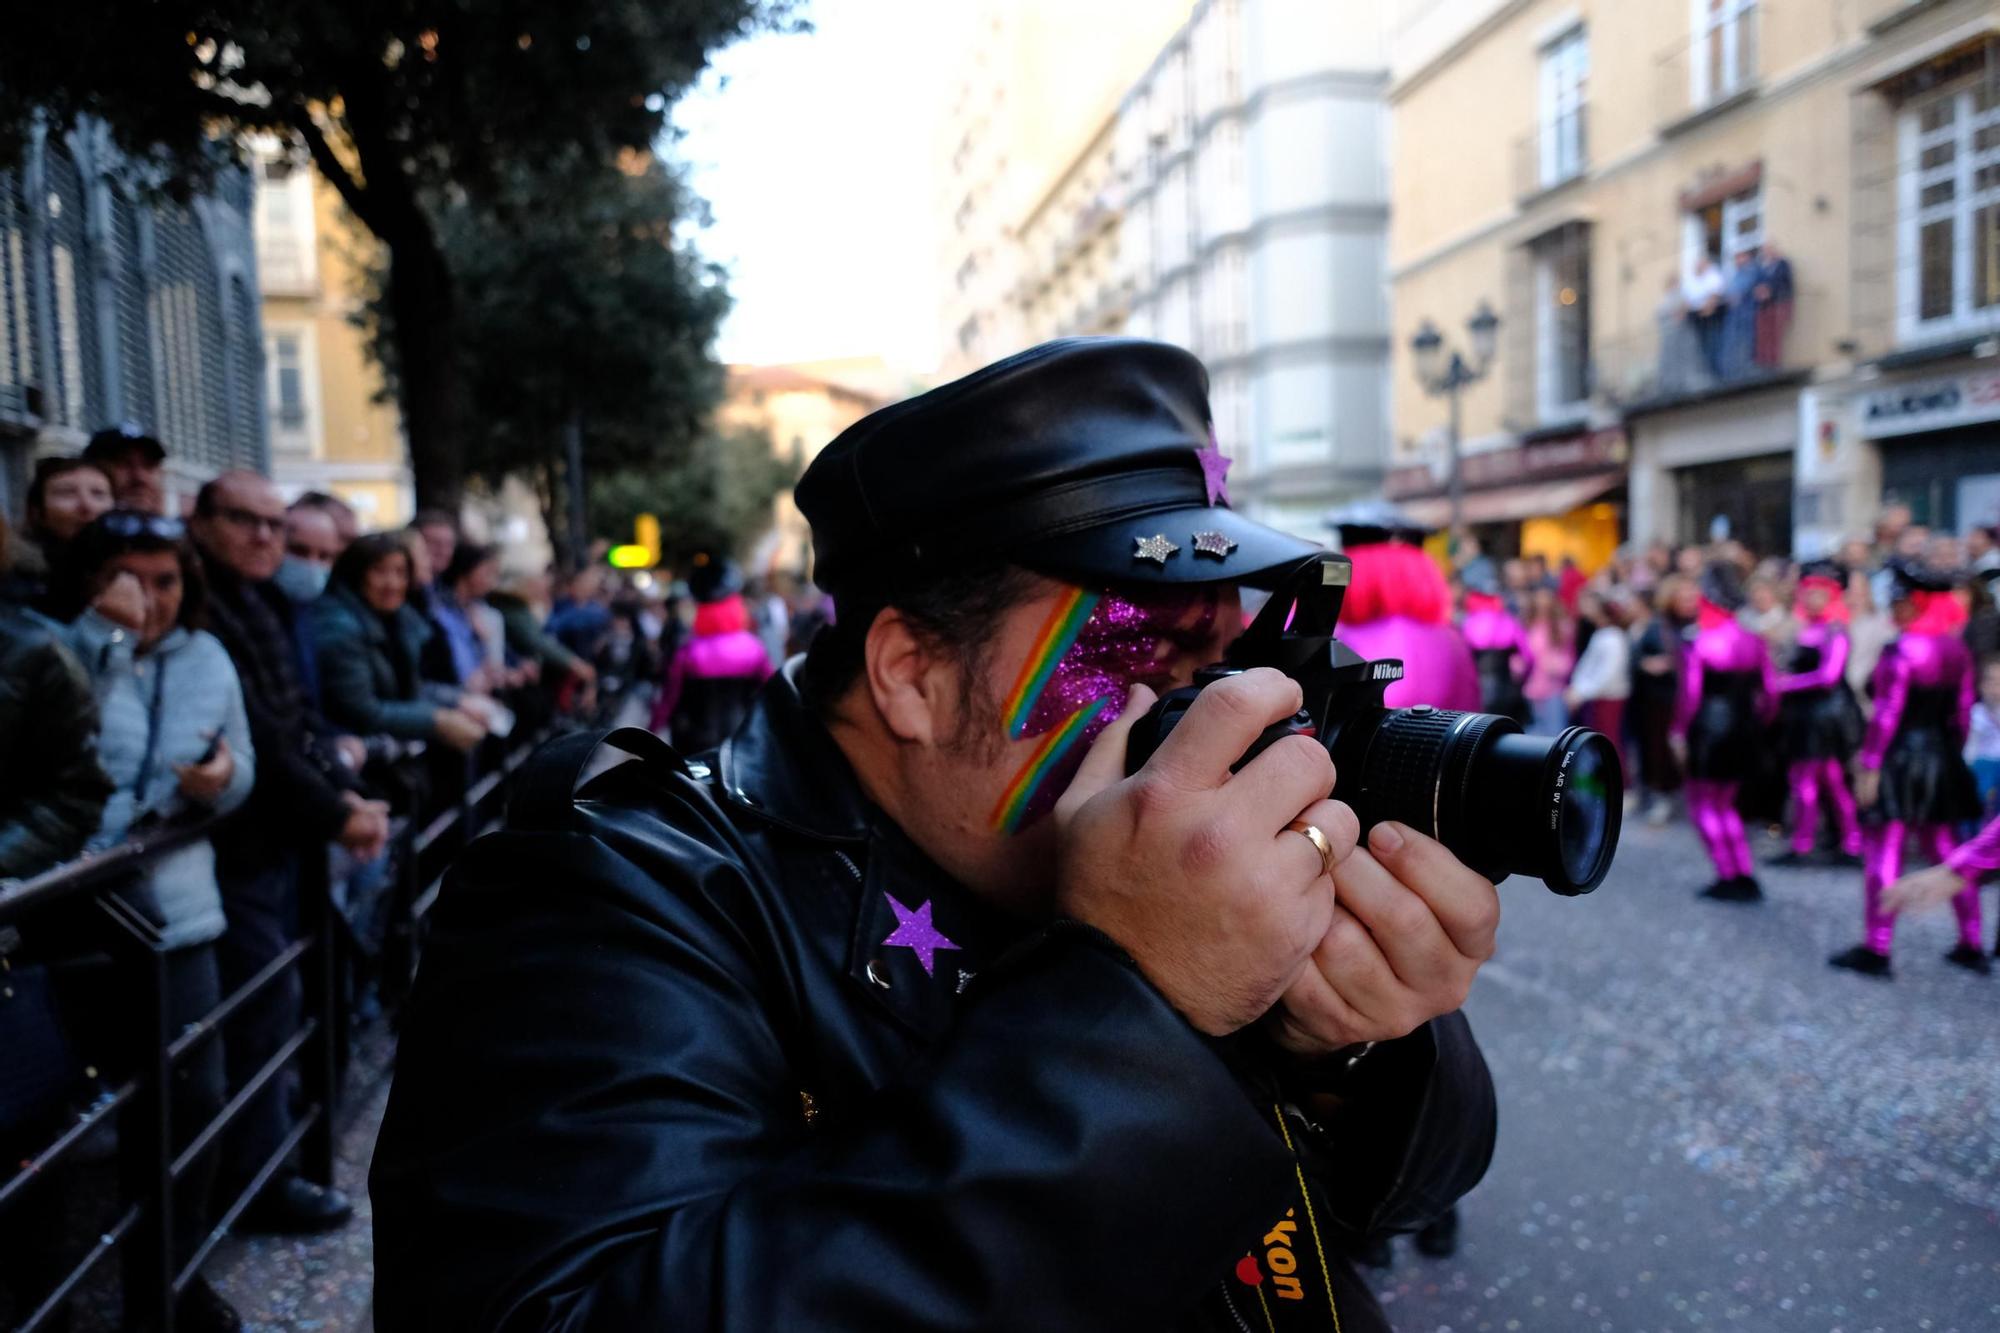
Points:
x=1412, y=926
x=205, y=783
x=1924, y=888
x=1190, y=868
x=366, y=831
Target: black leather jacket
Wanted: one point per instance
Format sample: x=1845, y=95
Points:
x=661, y=1071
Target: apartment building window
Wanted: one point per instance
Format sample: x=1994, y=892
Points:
x=1724, y=229
x=285, y=371
x=1723, y=54
x=1565, y=82
x=1950, y=205
x=1561, y=263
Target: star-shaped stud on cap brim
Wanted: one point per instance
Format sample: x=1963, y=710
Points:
x=1213, y=543
x=1155, y=548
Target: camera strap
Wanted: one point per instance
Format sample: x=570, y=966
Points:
x=1287, y=1279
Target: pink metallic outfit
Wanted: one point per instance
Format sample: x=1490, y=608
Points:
x=1923, y=684
x=1398, y=606
x=1812, y=776
x=1500, y=649
x=1728, y=694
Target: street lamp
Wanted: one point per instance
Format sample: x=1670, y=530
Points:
x=1443, y=372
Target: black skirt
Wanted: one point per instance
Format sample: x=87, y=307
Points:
x=1820, y=724
x=1723, y=738
x=1924, y=776
x=1499, y=691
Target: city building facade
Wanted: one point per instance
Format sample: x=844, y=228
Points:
x=1735, y=247
x=120, y=307
x=1035, y=83
x=1251, y=161
x=332, y=428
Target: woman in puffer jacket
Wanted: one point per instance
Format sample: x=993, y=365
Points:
x=175, y=740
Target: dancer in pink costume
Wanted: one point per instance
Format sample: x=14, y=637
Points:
x=1499, y=645
x=1958, y=874
x=1399, y=606
x=1914, y=778
x=1728, y=697
x=1819, y=722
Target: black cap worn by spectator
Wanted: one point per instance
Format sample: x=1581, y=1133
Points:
x=126, y=437
x=1912, y=576
x=1372, y=522
x=1090, y=459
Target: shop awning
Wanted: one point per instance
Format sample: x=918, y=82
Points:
x=1510, y=504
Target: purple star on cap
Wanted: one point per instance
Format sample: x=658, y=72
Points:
x=914, y=931
x=1215, y=472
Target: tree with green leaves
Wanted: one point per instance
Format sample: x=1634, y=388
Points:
x=580, y=308
x=717, y=497
x=401, y=104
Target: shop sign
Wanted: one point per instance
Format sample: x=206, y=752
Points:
x=1919, y=405
x=1541, y=460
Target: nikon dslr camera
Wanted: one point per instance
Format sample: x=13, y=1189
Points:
x=1503, y=802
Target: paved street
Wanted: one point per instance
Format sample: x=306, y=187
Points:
x=1702, y=1125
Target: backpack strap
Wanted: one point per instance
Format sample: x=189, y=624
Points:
x=546, y=784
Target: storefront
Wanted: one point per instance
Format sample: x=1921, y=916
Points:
x=1939, y=439
x=1719, y=466
x=1557, y=498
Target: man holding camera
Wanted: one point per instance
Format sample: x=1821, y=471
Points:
x=907, y=1008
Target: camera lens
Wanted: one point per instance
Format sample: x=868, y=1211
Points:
x=1504, y=803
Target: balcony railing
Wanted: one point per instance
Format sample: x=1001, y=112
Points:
x=1552, y=154
x=1680, y=358
x=1710, y=69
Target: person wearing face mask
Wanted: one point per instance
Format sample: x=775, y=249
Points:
x=64, y=495
x=311, y=543
x=176, y=741
x=306, y=795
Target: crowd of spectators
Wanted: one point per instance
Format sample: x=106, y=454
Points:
x=305, y=683
x=1606, y=649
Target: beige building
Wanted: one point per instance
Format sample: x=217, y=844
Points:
x=801, y=407
x=1035, y=84
x=330, y=428
x=1598, y=170
x=1068, y=259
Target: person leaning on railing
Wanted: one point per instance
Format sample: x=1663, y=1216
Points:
x=176, y=741
x=370, y=644
x=51, y=805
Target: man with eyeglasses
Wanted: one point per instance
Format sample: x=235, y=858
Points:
x=305, y=796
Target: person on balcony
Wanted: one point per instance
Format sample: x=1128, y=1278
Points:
x=1739, y=319
x=1774, y=306
x=1702, y=293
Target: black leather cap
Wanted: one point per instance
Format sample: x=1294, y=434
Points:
x=1080, y=458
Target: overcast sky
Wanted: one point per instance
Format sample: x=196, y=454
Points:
x=816, y=154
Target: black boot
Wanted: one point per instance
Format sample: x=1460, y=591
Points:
x=1734, y=889
x=1440, y=1239
x=1970, y=957
x=1375, y=1252
x=1864, y=960
x=294, y=1206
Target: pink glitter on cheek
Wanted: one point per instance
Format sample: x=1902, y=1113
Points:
x=1123, y=643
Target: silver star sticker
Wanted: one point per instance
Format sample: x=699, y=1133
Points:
x=1155, y=548
x=1213, y=543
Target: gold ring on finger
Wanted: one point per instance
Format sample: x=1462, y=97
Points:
x=1319, y=842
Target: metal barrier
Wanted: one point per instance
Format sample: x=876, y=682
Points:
x=139, y=1106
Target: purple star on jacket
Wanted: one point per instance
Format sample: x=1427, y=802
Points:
x=915, y=931
x=1215, y=472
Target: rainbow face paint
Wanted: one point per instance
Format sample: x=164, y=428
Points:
x=1089, y=651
